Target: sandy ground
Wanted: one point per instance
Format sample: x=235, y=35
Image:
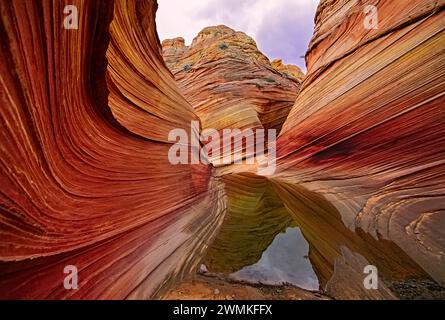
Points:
x=216, y=287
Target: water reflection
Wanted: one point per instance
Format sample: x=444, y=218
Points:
x=284, y=261
x=259, y=242
x=255, y=216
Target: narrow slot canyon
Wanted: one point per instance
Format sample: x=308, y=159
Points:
x=355, y=145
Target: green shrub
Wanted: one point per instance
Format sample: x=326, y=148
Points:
x=186, y=67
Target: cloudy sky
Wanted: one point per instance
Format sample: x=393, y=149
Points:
x=281, y=28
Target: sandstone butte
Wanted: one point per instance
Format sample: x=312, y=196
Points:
x=230, y=83
x=86, y=180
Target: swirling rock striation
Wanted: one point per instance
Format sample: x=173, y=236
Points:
x=86, y=180
x=85, y=175
x=230, y=83
x=380, y=158
x=361, y=155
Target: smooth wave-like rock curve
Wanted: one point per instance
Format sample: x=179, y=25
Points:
x=231, y=83
x=86, y=179
x=85, y=175
x=379, y=159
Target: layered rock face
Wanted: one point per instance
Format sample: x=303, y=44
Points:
x=230, y=83
x=360, y=156
x=86, y=180
x=287, y=70
x=367, y=129
x=85, y=177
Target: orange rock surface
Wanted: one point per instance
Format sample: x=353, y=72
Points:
x=288, y=70
x=367, y=131
x=229, y=82
x=86, y=180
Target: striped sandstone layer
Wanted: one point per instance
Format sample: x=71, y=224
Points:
x=367, y=131
x=230, y=83
x=86, y=179
x=85, y=175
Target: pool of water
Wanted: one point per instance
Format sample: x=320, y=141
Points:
x=259, y=241
x=271, y=226
x=284, y=261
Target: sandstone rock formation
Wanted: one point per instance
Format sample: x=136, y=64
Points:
x=361, y=153
x=86, y=180
x=172, y=50
x=229, y=82
x=367, y=129
x=288, y=70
